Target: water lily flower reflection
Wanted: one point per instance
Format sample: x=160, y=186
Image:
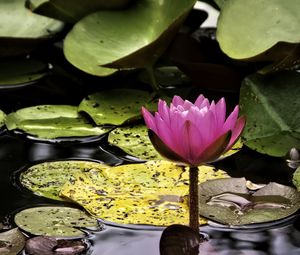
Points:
x=193, y=134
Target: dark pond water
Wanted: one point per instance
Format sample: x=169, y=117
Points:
x=283, y=238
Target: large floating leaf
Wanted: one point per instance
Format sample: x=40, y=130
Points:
x=52, y=121
x=248, y=28
x=153, y=193
x=273, y=123
x=228, y=201
x=134, y=37
x=54, y=221
x=135, y=141
x=21, y=72
x=296, y=178
x=46, y=179
x=2, y=118
x=116, y=106
x=72, y=10
x=11, y=242
x=21, y=30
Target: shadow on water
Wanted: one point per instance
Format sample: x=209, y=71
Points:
x=16, y=152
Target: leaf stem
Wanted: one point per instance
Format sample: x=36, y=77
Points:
x=153, y=81
x=193, y=199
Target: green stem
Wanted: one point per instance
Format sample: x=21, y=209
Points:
x=193, y=199
x=153, y=80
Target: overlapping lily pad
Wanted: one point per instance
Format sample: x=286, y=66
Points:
x=115, y=107
x=2, y=118
x=296, y=178
x=20, y=34
x=273, y=125
x=56, y=221
x=17, y=73
x=115, y=39
x=73, y=10
x=11, y=242
x=154, y=193
x=228, y=201
x=52, y=121
x=247, y=29
x=46, y=179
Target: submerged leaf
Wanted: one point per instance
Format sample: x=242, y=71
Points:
x=115, y=39
x=56, y=221
x=228, y=201
x=273, y=124
x=52, y=121
x=46, y=179
x=11, y=242
x=114, y=107
x=153, y=193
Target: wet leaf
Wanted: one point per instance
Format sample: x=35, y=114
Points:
x=152, y=193
x=73, y=10
x=134, y=140
x=11, y=242
x=46, y=179
x=2, y=118
x=52, y=121
x=20, y=72
x=273, y=124
x=248, y=29
x=179, y=240
x=228, y=201
x=115, y=107
x=296, y=178
x=56, y=221
x=115, y=39
x=21, y=34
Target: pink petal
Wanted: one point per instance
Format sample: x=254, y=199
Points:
x=187, y=105
x=163, y=131
x=206, y=126
x=199, y=100
x=164, y=111
x=177, y=100
x=149, y=119
x=205, y=103
x=220, y=112
x=237, y=131
x=231, y=120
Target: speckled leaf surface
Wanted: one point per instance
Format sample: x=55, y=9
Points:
x=20, y=34
x=296, y=178
x=153, y=193
x=11, y=242
x=52, y=121
x=46, y=179
x=116, y=106
x=134, y=140
x=56, y=221
x=273, y=125
x=2, y=118
x=115, y=39
x=249, y=28
x=228, y=201
x=14, y=72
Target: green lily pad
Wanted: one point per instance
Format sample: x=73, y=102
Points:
x=296, y=178
x=229, y=202
x=46, y=179
x=2, y=118
x=153, y=193
x=21, y=72
x=11, y=242
x=56, y=221
x=134, y=140
x=20, y=34
x=72, y=10
x=272, y=123
x=52, y=121
x=247, y=29
x=115, y=107
x=132, y=38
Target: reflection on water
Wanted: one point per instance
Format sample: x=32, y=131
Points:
x=281, y=239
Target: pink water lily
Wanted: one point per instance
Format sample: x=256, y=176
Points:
x=193, y=134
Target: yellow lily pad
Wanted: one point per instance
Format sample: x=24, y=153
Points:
x=152, y=193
